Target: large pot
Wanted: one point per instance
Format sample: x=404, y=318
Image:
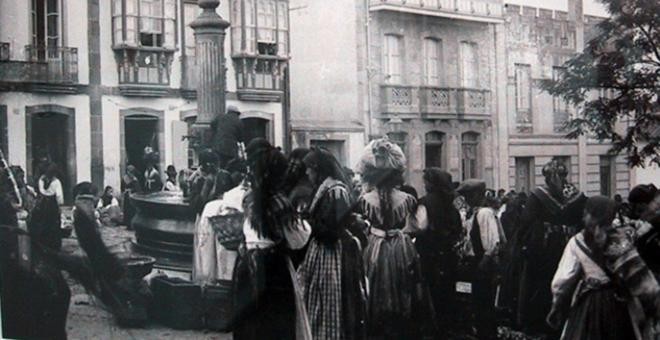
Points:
x=164, y=227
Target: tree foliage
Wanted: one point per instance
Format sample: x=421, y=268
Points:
x=624, y=58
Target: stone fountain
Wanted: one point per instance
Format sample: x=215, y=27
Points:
x=165, y=223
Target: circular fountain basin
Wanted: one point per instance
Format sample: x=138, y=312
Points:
x=164, y=227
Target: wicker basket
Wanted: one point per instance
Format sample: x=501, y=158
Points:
x=228, y=229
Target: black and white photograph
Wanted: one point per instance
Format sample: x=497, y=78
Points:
x=330, y=169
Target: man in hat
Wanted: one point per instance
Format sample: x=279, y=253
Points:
x=227, y=133
x=487, y=239
x=552, y=215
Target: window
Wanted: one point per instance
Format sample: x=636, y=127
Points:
x=399, y=138
x=433, y=149
x=190, y=12
x=559, y=106
x=523, y=78
x=46, y=29
x=432, y=61
x=524, y=174
x=260, y=27
x=470, y=65
x=607, y=175
x=392, y=59
x=144, y=23
x=470, y=153
x=336, y=148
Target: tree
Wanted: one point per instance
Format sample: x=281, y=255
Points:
x=623, y=57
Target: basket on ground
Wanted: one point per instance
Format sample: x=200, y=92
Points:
x=228, y=229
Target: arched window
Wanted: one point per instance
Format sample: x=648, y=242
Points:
x=470, y=155
x=433, y=148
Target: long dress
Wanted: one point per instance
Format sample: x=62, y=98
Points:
x=599, y=306
x=44, y=223
x=332, y=273
x=441, y=222
x=264, y=299
x=392, y=266
x=545, y=227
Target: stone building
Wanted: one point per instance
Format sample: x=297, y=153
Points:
x=423, y=72
x=538, y=42
x=90, y=83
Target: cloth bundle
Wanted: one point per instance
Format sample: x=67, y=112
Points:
x=382, y=154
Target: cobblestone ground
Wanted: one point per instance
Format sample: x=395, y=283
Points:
x=89, y=320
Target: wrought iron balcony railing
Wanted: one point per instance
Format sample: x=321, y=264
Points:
x=451, y=8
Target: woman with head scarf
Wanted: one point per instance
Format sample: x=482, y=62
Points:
x=264, y=300
x=44, y=223
x=332, y=273
x=440, y=224
x=601, y=281
x=391, y=260
x=552, y=215
x=296, y=182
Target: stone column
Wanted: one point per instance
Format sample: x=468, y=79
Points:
x=210, y=33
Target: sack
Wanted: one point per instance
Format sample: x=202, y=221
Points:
x=298, y=236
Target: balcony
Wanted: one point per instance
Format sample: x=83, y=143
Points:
x=472, y=10
x=46, y=69
x=144, y=72
x=260, y=78
x=400, y=99
x=434, y=102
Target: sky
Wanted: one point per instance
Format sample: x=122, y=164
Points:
x=591, y=7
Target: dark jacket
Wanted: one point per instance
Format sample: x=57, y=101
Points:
x=227, y=131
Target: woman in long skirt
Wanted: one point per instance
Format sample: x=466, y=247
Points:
x=391, y=261
x=264, y=305
x=599, y=282
x=44, y=223
x=332, y=273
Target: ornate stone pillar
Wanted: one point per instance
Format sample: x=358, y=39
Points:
x=210, y=34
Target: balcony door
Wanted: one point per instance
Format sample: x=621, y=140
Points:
x=46, y=28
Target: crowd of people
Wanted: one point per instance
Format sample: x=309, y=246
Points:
x=328, y=255
x=322, y=252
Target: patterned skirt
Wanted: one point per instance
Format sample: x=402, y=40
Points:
x=320, y=277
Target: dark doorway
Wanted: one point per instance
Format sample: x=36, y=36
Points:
x=140, y=131
x=51, y=139
x=255, y=128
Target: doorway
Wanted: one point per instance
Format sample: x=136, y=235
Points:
x=51, y=139
x=140, y=131
x=255, y=128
